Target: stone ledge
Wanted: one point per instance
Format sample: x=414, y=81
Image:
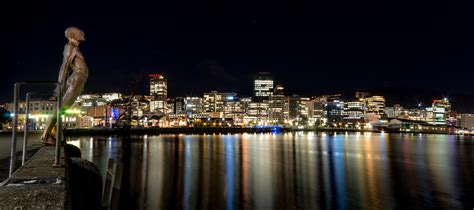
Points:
x=41, y=194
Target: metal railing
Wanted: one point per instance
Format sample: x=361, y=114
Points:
x=16, y=95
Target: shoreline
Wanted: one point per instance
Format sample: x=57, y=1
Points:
x=215, y=130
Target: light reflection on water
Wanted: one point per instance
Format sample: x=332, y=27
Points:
x=290, y=171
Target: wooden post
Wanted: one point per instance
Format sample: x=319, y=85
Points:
x=108, y=183
x=113, y=181
x=117, y=182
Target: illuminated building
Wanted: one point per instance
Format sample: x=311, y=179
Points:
x=334, y=110
x=354, y=110
x=443, y=103
x=97, y=116
x=158, y=93
x=263, y=85
x=214, y=101
x=193, y=105
x=40, y=111
x=375, y=107
x=90, y=100
x=361, y=95
x=316, y=109
x=223, y=105
x=176, y=106
x=466, y=121
x=277, y=106
x=233, y=109
x=390, y=112
x=179, y=106
x=396, y=111
x=414, y=126
x=111, y=96
x=414, y=114
x=438, y=113
x=298, y=108
x=245, y=101
x=257, y=113
x=138, y=108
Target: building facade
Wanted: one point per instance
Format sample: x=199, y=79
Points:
x=466, y=121
x=278, y=111
x=438, y=113
x=354, y=111
x=158, y=93
x=263, y=85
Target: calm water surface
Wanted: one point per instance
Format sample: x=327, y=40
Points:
x=290, y=171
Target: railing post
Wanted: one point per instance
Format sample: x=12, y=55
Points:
x=59, y=133
x=16, y=93
x=59, y=130
x=25, y=130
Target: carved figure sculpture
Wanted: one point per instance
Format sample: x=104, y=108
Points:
x=72, y=77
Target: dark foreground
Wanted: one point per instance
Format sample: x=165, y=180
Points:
x=290, y=171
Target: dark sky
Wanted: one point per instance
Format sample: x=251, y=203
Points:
x=201, y=46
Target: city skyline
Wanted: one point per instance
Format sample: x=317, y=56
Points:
x=141, y=86
x=268, y=106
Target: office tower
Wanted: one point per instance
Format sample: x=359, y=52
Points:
x=158, y=93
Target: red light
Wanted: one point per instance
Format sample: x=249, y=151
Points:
x=155, y=75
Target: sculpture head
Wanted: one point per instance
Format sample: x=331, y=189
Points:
x=75, y=34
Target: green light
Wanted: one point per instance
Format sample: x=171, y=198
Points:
x=73, y=111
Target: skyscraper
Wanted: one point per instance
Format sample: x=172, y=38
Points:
x=215, y=101
x=263, y=85
x=375, y=106
x=158, y=93
x=277, y=106
x=193, y=105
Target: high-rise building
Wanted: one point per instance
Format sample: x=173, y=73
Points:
x=245, y=101
x=334, y=110
x=193, y=105
x=179, y=106
x=223, y=105
x=170, y=102
x=158, y=93
x=354, y=111
x=316, y=109
x=442, y=103
x=438, y=112
x=214, y=101
x=278, y=113
x=233, y=108
x=257, y=112
x=375, y=106
x=263, y=85
x=298, y=108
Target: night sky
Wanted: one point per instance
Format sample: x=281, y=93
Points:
x=409, y=51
